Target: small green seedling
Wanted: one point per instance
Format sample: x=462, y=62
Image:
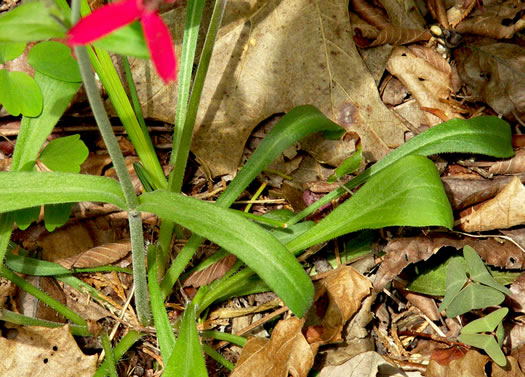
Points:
x=350, y=165
x=475, y=334
x=481, y=291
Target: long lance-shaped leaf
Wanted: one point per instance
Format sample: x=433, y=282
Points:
x=408, y=193
x=489, y=136
x=261, y=251
x=29, y=189
x=295, y=125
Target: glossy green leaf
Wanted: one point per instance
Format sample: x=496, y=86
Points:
x=187, y=360
x=261, y=251
x=489, y=136
x=456, y=279
x=486, y=343
x=28, y=189
x=487, y=323
x=65, y=154
x=478, y=271
x=31, y=21
x=54, y=59
x=24, y=217
x=128, y=41
x=20, y=94
x=10, y=51
x=408, y=193
x=350, y=165
x=474, y=296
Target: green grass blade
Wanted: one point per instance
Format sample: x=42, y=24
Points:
x=12, y=317
x=253, y=245
x=109, y=355
x=489, y=136
x=28, y=189
x=122, y=347
x=409, y=193
x=186, y=359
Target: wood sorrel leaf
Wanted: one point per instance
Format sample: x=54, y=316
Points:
x=10, y=51
x=65, y=154
x=55, y=60
x=20, y=190
x=261, y=251
x=487, y=323
x=32, y=21
x=474, y=296
x=127, y=41
x=456, y=279
x=486, y=343
x=20, y=94
x=408, y=193
x=478, y=271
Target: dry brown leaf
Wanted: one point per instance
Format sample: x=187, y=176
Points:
x=393, y=35
x=32, y=307
x=512, y=369
x=286, y=353
x=496, y=74
x=470, y=365
x=44, y=352
x=366, y=364
x=427, y=83
x=211, y=273
x=465, y=192
x=255, y=73
x=404, y=251
x=337, y=298
x=373, y=15
x=98, y=256
x=505, y=210
x=514, y=165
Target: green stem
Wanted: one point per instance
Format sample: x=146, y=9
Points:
x=219, y=335
x=217, y=356
x=110, y=357
x=122, y=347
x=135, y=221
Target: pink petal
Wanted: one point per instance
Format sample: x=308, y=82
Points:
x=104, y=20
x=160, y=45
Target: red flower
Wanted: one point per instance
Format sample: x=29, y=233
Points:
x=110, y=17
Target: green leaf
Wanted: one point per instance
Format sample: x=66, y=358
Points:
x=54, y=59
x=456, y=279
x=409, y=193
x=127, y=41
x=186, y=360
x=489, y=136
x=478, y=271
x=34, y=131
x=350, y=165
x=56, y=215
x=28, y=189
x=10, y=51
x=65, y=154
x=487, y=323
x=474, y=296
x=24, y=217
x=31, y=21
x=20, y=94
x=261, y=251
x=486, y=343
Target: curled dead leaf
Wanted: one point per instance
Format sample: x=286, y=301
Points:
x=99, y=255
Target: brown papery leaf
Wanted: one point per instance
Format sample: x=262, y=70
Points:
x=496, y=74
x=211, y=273
x=429, y=86
x=337, y=298
x=373, y=15
x=492, y=27
x=470, y=365
x=398, y=36
x=514, y=165
x=365, y=364
x=44, y=352
x=512, y=369
x=270, y=57
x=99, y=255
x=505, y=210
x=286, y=353
x=402, y=252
